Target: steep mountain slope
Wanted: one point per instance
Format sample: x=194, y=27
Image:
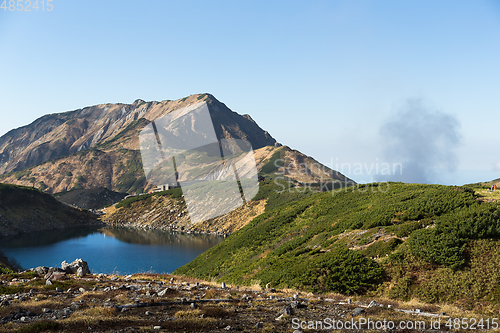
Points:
x=405, y=241
x=98, y=147
x=24, y=209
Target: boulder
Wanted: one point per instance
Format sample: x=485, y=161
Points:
x=297, y=305
x=74, y=267
x=41, y=270
x=286, y=310
x=163, y=292
x=357, y=311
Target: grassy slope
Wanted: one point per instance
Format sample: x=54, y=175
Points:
x=304, y=244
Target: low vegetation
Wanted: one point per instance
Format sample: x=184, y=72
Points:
x=175, y=193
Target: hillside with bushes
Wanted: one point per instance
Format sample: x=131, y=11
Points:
x=25, y=209
x=403, y=241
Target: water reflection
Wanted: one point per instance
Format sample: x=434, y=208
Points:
x=40, y=238
x=109, y=249
x=141, y=236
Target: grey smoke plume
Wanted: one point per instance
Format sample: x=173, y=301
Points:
x=422, y=140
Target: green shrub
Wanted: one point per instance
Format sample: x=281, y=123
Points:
x=39, y=326
x=405, y=229
x=345, y=271
x=42, y=186
x=174, y=193
x=5, y=270
x=381, y=248
x=445, y=244
x=278, y=194
x=274, y=162
x=445, y=249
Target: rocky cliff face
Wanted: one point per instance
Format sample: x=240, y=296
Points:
x=98, y=147
x=103, y=127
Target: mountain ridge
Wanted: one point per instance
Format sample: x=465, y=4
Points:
x=59, y=134
x=98, y=146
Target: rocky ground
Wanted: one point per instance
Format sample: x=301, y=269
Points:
x=163, y=303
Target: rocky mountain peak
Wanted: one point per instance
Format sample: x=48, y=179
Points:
x=61, y=134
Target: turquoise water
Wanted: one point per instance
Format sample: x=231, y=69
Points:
x=108, y=250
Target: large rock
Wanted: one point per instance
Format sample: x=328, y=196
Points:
x=55, y=274
x=79, y=267
x=41, y=270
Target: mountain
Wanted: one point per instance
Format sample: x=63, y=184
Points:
x=98, y=146
x=25, y=209
x=106, y=126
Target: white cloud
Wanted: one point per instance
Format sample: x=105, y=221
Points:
x=497, y=166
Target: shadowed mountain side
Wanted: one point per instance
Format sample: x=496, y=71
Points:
x=26, y=209
x=90, y=199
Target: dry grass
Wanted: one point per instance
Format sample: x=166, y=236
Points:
x=335, y=296
x=92, y=315
x=92, y=295
x=188, y=324
x=454, y=311
x=268, y=328
x=122, y=299
x=188, y=313
x=46, y=303
x=226, y=304
x=215, y=312
x=211, y=294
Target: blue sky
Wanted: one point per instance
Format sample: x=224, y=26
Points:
x=323, y=77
